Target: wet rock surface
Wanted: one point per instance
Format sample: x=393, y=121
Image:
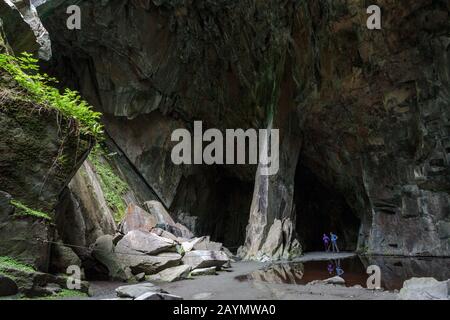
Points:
x=424, y=289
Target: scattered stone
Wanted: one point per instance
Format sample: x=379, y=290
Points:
x=335, y=280
x=189, y=245
x=206, y=244
x=204, y=272
x=145, y=242
x=140, y=277
x=205, y=258
x=229, y=253
x=158, y=296
x=52, y=288
x=202, y=296
x=424, y=289
x=7, y=286
x=139, y=262
x=136, y=290
x=171, y=274
x=165, y=234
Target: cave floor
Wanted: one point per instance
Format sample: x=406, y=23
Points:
x=232, y=285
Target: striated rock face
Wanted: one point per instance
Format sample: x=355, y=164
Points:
x=373, y=121
x=40, y=150
x=363, y=115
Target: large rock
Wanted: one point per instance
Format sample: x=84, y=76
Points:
x=40, y=149
x=105, y=252
x=205, y=243
x=83, y=214
x=26, y=238
x=136, y=290
x=7, y=286
x=205, y=258
x=145, y=242
x=163, y=217
x=424, y=289
x=139, y=262
x=171, y=274
x=158, y=296
x=62, y=257
x=137, y=219
x=204, y=272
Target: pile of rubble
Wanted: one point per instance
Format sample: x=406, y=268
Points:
x=151, y=246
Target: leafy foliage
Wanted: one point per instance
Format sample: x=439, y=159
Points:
x=23, y=210
x=25, y=71
x=112, y=186
x=9, y=263
x=65, y=293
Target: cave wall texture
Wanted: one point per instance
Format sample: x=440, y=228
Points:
x=366, y=111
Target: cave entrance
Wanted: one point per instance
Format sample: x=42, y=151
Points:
x=321, y=209
x=212, y=202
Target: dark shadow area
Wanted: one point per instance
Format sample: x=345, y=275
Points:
x=212, y=202
x=321, y=209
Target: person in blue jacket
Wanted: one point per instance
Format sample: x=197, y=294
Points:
x=333, y=239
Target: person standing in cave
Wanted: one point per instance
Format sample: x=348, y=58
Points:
x=326, y=242
x=334, y=238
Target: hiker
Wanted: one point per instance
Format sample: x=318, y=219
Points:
x=330, y=267
x=326, y=242
x=334, y=238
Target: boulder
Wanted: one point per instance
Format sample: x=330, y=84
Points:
x=424, y=289
x=139, y=262
x=83, y=213
x=33, y=283
x=62, y=257
x=165, y=234
x=135, y=290
x=105, y=253
x=206, y=244
x=204, y=272
x=205, y=258
x=25, y=238
x=335, y=280
x=157, y=209
x=140, y=277
x=189, y=245
x=52, y=288
x=145, y=242
x=7, y=286
x=171, y=274
x=158, y=296
x=137, y=218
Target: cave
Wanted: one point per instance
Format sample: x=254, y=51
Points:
x=320, y=209
x=214, y=202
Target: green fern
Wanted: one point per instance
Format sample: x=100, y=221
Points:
x=25, y=71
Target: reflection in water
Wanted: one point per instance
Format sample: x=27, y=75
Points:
x=394, y=271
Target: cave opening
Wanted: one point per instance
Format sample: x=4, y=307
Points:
x=320, y=209
x=212, y=202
